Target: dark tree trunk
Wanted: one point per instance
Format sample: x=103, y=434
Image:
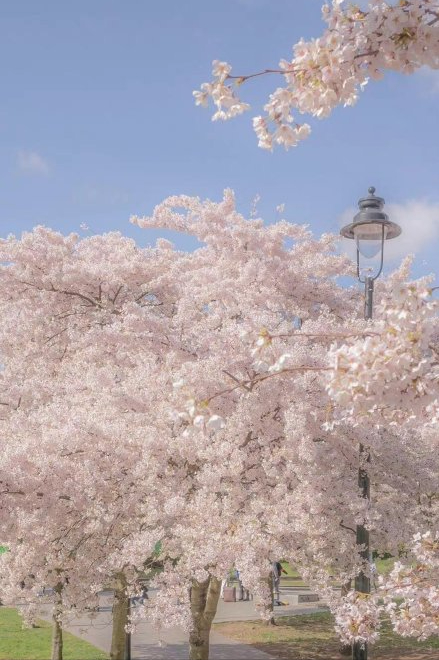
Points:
x=204, y=603
x=120, y=619
x=57, y=639
x=268, y=604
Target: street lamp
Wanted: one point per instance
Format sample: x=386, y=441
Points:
x=370, y=228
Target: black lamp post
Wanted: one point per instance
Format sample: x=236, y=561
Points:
x=128, y=636
x=370, y=229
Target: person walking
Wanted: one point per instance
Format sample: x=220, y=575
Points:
x=277, y=570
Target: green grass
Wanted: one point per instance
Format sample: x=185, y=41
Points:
x=291, y=572
x=312, y=637
x=384, y=566
x=18, y=643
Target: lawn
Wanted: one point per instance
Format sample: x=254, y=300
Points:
x=18, y=643
x=384, y=566
x=295, y=579
x=312, y=637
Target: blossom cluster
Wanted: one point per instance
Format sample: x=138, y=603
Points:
x=331, y=70
x=396, y=364
x=409, y=596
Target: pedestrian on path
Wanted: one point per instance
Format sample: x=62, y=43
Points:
x=277, y=570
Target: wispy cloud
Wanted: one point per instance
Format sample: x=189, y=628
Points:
x=419, y=220
x=31, y=162
x=100, y=194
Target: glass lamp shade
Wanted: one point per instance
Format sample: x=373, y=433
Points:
x=370, y=238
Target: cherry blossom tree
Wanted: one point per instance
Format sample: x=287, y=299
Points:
x=329, y=71
x=396, y=386
x=206, y=400
x=76, y=470
x=77, y=511
x=258, y=394
x=242, y=280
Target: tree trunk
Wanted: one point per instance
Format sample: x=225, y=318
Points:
x=268, y=604
x=204, y=602
x=57, y=640
x=120, y=619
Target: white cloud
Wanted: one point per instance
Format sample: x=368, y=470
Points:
x=30, y=162
x=419, y=220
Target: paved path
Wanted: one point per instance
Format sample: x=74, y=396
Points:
x=245, y=610
x=97, y=630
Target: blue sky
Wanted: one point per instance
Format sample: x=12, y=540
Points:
x=97, y=121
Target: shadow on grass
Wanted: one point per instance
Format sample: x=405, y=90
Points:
x=286, y=651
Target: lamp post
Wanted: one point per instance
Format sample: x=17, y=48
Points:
x=370, y=229
x=127, y=651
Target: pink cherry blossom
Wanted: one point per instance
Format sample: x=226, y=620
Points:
x=332, y=69
x=213, y=401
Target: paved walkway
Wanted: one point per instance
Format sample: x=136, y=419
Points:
x=96, y=629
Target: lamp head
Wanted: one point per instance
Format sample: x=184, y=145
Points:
x=371, y=226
